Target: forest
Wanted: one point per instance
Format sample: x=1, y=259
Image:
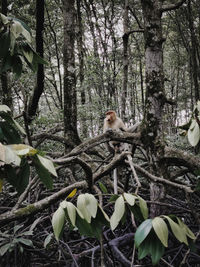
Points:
x=100, y=133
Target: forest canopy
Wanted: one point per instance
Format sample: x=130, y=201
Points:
x=99, y=133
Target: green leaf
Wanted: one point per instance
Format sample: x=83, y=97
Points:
x=194, y=133
x=17, y=66
x=188, y=232
x=35, y=223
x=143, y=207
x=130, y=199
x=42, y=172
x=160, y=228
x=47, y=164
x=4, y=249
x=156, y=250
x=178, y=232
x=4, y=44
x=47, y=240
x=118, y=213
x=143, y=231
x=26, y=242
x=84, y=227
x=103, y=188
x=58, y=222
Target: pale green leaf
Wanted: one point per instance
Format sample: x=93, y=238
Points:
x=71, y=210
x=178, y=232
x=16, y=29
x=47, y=164
x=194, y=133
x=28, y=55
x=26, y=242
x=118, y=213
x=19, y=127
x=81, y=205
x=27, y=35
x=130, y=199
x=47, y=240
x=58, y=222
x=188, y=232
x=161, y=230
x=11, y=157
x=4, y=19
x=143, y=207
x=2, y=155
x=4, y=108
x=91, y=204
x=22, y=149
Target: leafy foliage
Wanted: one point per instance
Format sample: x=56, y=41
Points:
x=151, y=236
x=15, y=158
x=15, y=43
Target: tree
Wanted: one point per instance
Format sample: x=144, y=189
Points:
x=39, y=88
x=70, y=102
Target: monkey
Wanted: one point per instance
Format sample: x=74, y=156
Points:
x=115, y=123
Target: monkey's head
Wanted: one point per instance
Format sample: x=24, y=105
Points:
x=110, y=116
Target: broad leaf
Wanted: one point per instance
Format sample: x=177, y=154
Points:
x=91, y=204
x=43, y=173
x=142, y=232
x=81, y=205
x=103, y=188
x=47, y=164
x=143, y=207
x=70, y=209
x=58, y=222
x=4, y=249
x=160, y=228
x=130, y=199
x=11, y=157
x=26, y=242
x=194, y=133
x=118, y=213
x=156, y=250
x=47, y=240
x=178, y=232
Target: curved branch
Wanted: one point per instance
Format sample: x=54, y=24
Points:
x=40, y=205
x=161, y=180
x=174, y=6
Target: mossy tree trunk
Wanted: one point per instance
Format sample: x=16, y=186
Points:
x=152, y=133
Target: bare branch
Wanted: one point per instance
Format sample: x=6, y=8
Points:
x=174, y=6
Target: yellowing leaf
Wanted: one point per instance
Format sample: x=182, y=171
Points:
x=161, y=230
x=73, y=193
x=177, y=230
x=22, y=150
x=143, y=207
x=118, y=212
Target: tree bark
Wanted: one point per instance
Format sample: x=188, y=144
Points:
x=70, y=98
x=5, y=90
x=38, y=90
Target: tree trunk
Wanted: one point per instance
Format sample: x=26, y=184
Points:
x=70, y=103
x=125, y=60
x=152, y=135
x=5, y=91
x=38, y=90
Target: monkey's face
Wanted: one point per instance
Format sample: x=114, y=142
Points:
x=110, y=116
